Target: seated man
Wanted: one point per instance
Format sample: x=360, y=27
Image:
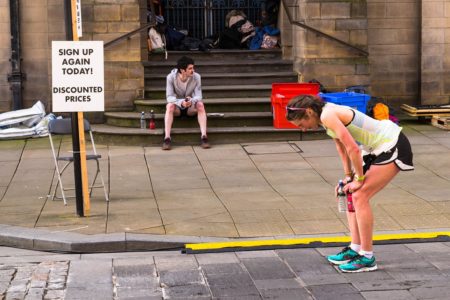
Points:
x=184, y=98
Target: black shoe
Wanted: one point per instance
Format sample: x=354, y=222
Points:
x=204, y=142
x=167, y=145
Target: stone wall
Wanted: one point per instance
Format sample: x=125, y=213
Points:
x=393, y=39
x=106, y=20
x=42, y=21
x=408, y=43
x=435, y=52
x=336, y=66
x=5, y=54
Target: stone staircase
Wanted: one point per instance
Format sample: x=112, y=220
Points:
x=236, y=87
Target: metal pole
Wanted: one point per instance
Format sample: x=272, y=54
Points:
x=16, y=76
x=75, y=131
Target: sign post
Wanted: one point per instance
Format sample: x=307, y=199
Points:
x=78, y=86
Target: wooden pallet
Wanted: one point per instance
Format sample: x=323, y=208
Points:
x=426, y=111
x=441, y=122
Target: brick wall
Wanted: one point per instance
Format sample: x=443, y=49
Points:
x=5, y=54
x=435, y=88
x=393, y=37
x=334, y=65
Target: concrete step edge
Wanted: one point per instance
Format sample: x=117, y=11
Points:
x=114, y=130
x=225, y=115
x=206, y=88
x=236, y=101
x=227, y=63
x=230, y=75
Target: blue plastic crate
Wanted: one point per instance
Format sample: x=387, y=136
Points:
x=354, y=100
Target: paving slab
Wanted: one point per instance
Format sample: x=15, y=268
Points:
x=306, y=213
x=194, y=228
x=275, y=163
x=318, y=226
x=312, y=201
x=269, y=148
x=188, y=199
x=262, y=229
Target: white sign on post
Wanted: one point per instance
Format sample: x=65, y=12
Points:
x=78, y=19
x=78, y=76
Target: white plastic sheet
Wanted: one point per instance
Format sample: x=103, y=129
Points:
x=30, y=122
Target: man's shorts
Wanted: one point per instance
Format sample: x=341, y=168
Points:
x=400, y=154
x=184, y=114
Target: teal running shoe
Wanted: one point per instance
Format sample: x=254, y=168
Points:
x=343, y=257
x=359, y=264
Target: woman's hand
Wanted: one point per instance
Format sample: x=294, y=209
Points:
x=353, y=186
x=346, y=180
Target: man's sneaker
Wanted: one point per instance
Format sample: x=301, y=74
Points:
x=204, y=142
x=359, y=264
x=343, y=257
x=167, y=145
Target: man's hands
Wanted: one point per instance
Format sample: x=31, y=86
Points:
x=187, y=102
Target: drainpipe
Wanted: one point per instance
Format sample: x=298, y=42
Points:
x=16, y=77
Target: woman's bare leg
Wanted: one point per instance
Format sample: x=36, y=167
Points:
x=377, y=177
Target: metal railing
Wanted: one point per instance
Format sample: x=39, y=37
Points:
x=128, y=35
x=321, y=33
x=202, y=18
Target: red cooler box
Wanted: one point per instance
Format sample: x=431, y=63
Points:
x=281, y=94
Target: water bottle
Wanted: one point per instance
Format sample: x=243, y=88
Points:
x=350, y=206
x=151, y=124
x=342, y=197
x=142, y=120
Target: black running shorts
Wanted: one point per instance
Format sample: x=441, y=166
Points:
x=400, y=154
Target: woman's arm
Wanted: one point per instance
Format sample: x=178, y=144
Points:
x=332, y=121
x=346, y=163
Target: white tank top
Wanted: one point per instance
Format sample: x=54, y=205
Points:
x=374, y=136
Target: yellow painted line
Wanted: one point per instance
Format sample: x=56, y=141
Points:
x=307, y=241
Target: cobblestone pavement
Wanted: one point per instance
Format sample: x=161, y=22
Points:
x=406, y=271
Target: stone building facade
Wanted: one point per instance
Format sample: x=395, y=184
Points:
x=42, y=21
x=407, y=41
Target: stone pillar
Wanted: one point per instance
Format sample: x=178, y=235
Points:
x=435, y=88
x=56, y=32
x=393, y=37
x=35, y=52
x=286, y=29
x=336, y=66
x=124, y=74
x=5, y=54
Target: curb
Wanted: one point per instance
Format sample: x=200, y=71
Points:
x=70, y=242
x=314, y=242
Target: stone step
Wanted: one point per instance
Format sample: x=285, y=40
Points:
x=226, y=119
x=113, y=135
x=218, y=66
x=157, y=80
x=261, y=104
x=225, y=91
x=218, y=54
